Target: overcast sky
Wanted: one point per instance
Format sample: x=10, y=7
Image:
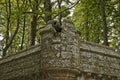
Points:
x=1, y=37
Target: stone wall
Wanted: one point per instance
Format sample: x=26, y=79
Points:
x=22, y=63
x=62, y=56
x=100, y=60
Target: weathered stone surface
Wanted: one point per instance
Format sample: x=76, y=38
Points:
x=22, y=63
x=99, y=59
x=61, y=48
x=62, y=56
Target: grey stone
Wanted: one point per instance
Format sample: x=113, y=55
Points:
x=62, y=52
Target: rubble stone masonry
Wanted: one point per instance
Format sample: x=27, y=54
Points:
x=62, y=56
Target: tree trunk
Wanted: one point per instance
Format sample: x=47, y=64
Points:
x=16, y=30
x=8, y=10
x=60, y=14
x=48, y=10
x=104, y=23
x=22, y=42
x=86, y=31
x=119, y=8
x=33, y=30
x=9, y=44
x=87, y=23
x=33, y=23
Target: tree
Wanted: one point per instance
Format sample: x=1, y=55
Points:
x=20, y=18
x=96, y=18
x=16, y=30
x=34, y=23
x=48, y=10
x=104, y=23
x=87, y=19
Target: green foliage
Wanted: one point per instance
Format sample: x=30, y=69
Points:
x=87, y=19
x=86, y=15
x=64, y=14
x=18, y=14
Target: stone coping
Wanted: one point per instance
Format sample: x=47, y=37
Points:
x=99, y=49
x=21, y=53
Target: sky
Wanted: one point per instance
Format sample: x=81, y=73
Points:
x=1, y=37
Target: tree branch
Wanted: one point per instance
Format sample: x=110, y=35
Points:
x=67, y=9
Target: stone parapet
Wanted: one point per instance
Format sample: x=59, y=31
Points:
x=62, y=56
x=22, y=63
x=99, y=59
